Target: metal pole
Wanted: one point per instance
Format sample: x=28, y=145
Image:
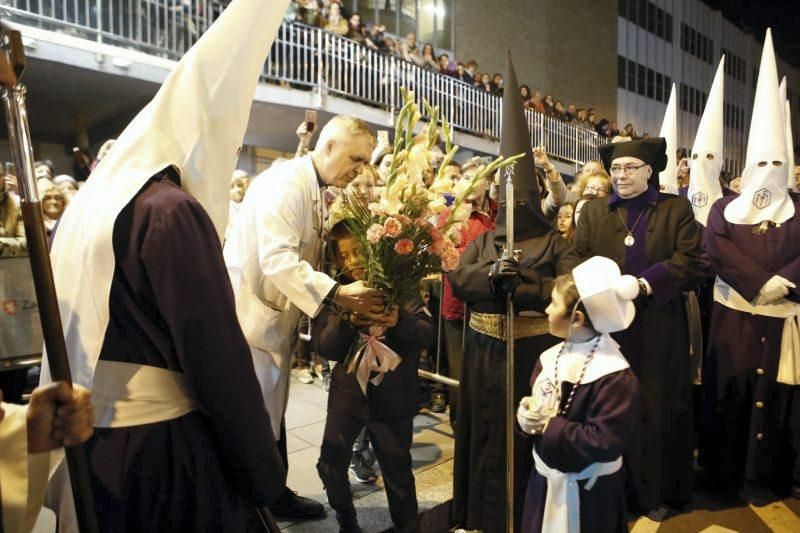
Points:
x=450, y=382
x=38, y=252
x=509, y=253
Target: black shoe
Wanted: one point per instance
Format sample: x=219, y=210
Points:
x=438, y=402
x=290, y=505
x=348, y=522
x=362, y=472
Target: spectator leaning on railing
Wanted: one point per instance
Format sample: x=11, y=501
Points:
x=336, y=23
x=428, y=58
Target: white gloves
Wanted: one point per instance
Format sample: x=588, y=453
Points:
x=774, y=289
x=533, y=418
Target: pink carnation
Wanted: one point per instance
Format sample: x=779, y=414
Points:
x=437, y=247
x=404, y=246
x=450, y=259
x=374, y=233
x=404, y=220
x=393, y=227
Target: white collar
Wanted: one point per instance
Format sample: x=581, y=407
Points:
x=607, y=359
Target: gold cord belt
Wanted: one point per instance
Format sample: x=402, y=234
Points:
x=494, y=325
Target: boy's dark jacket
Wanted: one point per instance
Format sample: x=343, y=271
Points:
x=397, y=395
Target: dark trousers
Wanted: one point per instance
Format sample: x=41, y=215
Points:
x=453, y=337
x=392, y=443
x=282, y=450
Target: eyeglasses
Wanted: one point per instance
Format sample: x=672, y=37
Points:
x=629, y=170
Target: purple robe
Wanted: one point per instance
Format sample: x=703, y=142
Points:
x=753, y=431
x=666, y=253
x=598, y=427
x=171, y=306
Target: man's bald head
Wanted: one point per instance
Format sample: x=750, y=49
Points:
x=345, y=144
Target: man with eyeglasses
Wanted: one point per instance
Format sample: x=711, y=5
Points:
x=652, y=236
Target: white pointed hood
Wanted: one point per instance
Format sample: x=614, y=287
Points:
x=764, y=195
x=196, y=122
x=707, y=151
x=668, y=178
x=791, y=183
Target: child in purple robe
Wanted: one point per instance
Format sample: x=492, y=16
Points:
x=583, y=407
x=384, y=402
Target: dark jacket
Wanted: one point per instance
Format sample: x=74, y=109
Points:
x=397, y=395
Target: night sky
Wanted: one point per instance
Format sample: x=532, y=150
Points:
x=757, y=15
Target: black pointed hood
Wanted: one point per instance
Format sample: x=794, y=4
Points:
x=515, y=138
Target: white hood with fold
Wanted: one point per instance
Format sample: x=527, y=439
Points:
x=668, y=178
x=196, y=122
x=764, y=195
x=707, y=151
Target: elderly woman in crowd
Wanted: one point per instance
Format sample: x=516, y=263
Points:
x=53, y=205
x=595, y=182
x=66, y=184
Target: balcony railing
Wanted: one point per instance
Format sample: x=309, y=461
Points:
x=304, y=57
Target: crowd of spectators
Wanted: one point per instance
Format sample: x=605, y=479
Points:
x=331, y=16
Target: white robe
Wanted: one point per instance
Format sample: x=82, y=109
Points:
x=271, y=253
x=23, y=477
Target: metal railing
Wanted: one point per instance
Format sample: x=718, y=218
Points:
x=304, y=57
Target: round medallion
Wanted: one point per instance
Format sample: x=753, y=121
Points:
x=629, y=240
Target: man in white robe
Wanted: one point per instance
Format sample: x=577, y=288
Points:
x=272, y=254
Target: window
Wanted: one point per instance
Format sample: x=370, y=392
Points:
x=641, y=87
x=642, y=18
x=668, y=27
x=696, y=43
x=684, y=98
x=647, y=15
x=632, y=10
x=631, y=76
x=642, y=80
x=660, y=87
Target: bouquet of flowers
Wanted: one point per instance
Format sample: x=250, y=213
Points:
x=411, y=230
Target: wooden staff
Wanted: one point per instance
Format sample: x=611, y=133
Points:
x=12, y=64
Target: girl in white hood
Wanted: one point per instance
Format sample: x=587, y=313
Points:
x=583, y=407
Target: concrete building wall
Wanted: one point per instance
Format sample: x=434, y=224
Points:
x=562, y=47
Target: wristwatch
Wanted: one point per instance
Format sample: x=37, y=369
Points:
x=642, y=287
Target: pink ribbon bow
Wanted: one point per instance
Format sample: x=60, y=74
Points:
x=374, y=356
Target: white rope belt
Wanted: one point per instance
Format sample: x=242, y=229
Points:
x=127, y=394
x=562, y=507
x=789, y=364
